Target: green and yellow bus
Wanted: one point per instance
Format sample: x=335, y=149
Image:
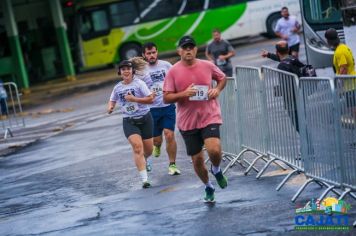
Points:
x=113, y=30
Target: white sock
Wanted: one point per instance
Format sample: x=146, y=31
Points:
x=144, y=176
x=215, y=169
x=209, y=184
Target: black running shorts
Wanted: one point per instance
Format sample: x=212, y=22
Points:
x=194, y=139
x=141, y=125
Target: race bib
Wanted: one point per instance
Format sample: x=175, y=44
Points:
x=130, y=107
x=202, y=93
x=157, y=88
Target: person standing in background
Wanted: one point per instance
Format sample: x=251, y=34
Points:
x=344, y=64
x=219, y=52
x=287, y=28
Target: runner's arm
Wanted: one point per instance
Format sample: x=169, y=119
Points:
x=215, y=92
x=171, y=97
x=111, y=106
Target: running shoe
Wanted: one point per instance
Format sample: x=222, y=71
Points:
x=221, y=179
x=156, y=151
x=148, y=166
x=173, y=170
x=146, y=184
x=209, y=194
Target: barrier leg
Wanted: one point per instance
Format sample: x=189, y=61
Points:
x=282, y=167
x=300, y=190
x=8, y=132
x=286, y=179
x=348, y=190
x=252, y=164
x=234, y=161
x=265, y=167
x=322, y=196
x=227, y=157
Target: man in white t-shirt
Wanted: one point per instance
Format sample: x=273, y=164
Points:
x=164, y=115
x=287, y=28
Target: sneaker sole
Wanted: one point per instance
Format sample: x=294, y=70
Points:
x=222, y=187
x=175, y=173
x=146, y=185
x=209, y=201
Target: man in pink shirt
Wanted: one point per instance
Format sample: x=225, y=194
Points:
x=189, y=83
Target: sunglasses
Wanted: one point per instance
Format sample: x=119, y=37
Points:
x=188, y=46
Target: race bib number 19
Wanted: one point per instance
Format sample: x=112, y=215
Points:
x=130, y=107
x=202, y=93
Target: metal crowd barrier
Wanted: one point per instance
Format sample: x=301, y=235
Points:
x=346, y=87
x=11, y=109
x=251, y=119
x=309, y=124
x=328, y=121
x=230, y=139
x=283, y=127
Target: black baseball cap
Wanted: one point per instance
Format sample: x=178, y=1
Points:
x=332, y=36
x=125, y=63
x=185, y=40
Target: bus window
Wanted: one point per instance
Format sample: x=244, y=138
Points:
x=123, y=13
x=153, y=10
x=349, y=12
x=94, y=23
x=222, y=3
x=321, y=12
x=100, y=21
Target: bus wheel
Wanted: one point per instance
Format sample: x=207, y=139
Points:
x=130, y=50
x=271, y=24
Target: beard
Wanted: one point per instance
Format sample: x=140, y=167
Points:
x=152, y=62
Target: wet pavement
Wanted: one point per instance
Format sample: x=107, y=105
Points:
x=83, y=181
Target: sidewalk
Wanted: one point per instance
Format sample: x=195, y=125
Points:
x=44, y=93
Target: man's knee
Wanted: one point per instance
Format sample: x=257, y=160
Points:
x=198, y=159
x=215, y=152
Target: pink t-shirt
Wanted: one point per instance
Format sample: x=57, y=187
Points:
x=194, y=114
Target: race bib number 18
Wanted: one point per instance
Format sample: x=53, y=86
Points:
x=130, y=107
x=202, y=93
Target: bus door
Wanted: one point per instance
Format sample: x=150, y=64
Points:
x=95, y=42
x=318, y=16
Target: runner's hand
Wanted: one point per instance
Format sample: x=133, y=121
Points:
x=129, y=97
x=110, y=110
x=190, y=91
x=213, y=93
